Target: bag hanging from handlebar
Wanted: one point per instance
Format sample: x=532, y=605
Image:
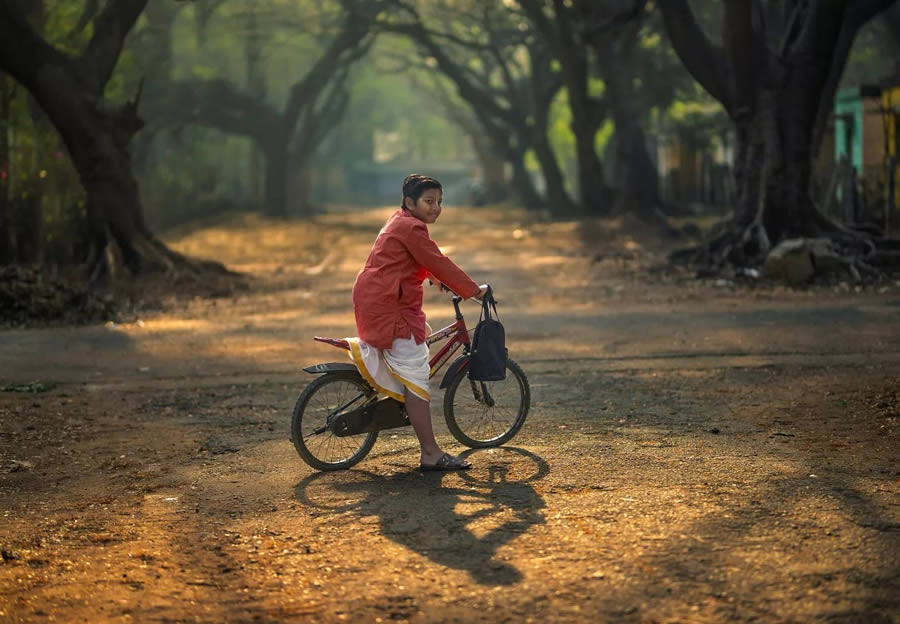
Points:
x=488, y=358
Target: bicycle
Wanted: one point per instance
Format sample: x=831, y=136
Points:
x=337, y=417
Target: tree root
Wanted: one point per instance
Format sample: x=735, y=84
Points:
x=653, y=222
x=733, y=249
x=165, y=266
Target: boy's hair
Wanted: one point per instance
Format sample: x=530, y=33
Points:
x=415, y=184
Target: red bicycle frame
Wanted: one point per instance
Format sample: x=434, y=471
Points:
x=459, y=337
x=457, y=333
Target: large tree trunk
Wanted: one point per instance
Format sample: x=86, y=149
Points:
x=639, y=193
x=779, y=97
x=592, y=194
x=773, y=170
x=524, y=185
x=301, y=196
x=98, y=141
x=5, y=106
x=492, y=167
x=97, y=135
x=557, y=198
x=275, y=150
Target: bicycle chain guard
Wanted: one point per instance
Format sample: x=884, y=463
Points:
x=385, y=414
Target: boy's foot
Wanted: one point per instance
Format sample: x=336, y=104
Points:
x=446, y=462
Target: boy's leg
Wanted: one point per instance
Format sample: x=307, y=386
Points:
x=419, y=411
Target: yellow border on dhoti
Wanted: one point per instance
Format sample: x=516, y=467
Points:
x=419, y=392
x=356, y=356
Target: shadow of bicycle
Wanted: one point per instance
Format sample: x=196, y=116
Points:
x=455, y=519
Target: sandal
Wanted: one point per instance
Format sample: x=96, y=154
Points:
x=446, y=462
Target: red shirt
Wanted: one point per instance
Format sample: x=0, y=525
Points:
x=387, y=295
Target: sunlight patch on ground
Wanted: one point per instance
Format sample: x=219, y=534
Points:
x=174, y=324
x=545, y=261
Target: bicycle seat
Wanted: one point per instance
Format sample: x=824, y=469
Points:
x=334, y=342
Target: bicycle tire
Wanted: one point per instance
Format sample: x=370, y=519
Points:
x=454, y=403
x=301, y=411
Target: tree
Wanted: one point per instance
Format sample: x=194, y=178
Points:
x=613, y=29
x=604, y=38
x=70, y=91
x=286, y=135
x=506, y=74
x=775, y=74
x=892, y=25
x=556, y=26
x=494, y=186
x=5, y=106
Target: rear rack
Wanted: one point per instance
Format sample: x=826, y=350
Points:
x=334, y=342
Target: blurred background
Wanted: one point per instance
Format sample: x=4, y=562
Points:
x=289, y=108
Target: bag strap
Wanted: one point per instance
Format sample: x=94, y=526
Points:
x=487, y=302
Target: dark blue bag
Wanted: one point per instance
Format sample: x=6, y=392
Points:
x=488, y=358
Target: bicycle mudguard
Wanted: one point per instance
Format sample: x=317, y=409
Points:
x=459, y=364
x=327, y=367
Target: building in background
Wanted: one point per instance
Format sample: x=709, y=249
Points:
x=695, y=160
x=862, y=187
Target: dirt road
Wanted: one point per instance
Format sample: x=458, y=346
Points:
x=694, y=452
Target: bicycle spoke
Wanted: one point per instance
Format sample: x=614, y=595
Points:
x=487, y=413
x=328, y=397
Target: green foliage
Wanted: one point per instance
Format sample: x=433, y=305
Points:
x=44, y=193
x=59, y=25
x=562, y=138
x=264, y=46
x=33, y=387
x=873, y=57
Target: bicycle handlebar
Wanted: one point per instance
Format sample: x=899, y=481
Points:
x=457, y=299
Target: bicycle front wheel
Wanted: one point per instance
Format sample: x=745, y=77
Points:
x=481, y=414
x=327, y=396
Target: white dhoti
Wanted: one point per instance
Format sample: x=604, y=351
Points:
x=389, y=371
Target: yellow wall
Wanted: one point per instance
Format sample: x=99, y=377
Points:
x=890, y=101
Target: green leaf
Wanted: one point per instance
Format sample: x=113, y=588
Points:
x=34, y=386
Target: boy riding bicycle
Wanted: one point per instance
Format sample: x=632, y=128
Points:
x=387, y=301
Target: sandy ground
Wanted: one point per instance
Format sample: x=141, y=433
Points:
x=695, y=452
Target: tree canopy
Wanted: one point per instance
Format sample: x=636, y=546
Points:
x=171, y=109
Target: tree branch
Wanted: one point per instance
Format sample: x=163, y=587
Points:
x=470, y=87
x=318, y=120
x=495, y=51
x=22, y=52
x=837, y=47
x=747, y=53
x=700, y=56
x=864, y=10
x=597, y=22
x=102, y=53
x=218, y=104
x=91, y=8
x=345, y=48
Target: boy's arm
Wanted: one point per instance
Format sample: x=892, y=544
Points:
x=425, y=251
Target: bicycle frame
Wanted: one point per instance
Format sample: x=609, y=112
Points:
x=457, y=333
x=459, y=337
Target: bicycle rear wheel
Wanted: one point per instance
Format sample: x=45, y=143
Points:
x=480, y=420
x=323, y=399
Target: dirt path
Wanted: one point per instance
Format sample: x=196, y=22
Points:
x=693, y=454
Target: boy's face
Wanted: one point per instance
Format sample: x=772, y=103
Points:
x=428, y=207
